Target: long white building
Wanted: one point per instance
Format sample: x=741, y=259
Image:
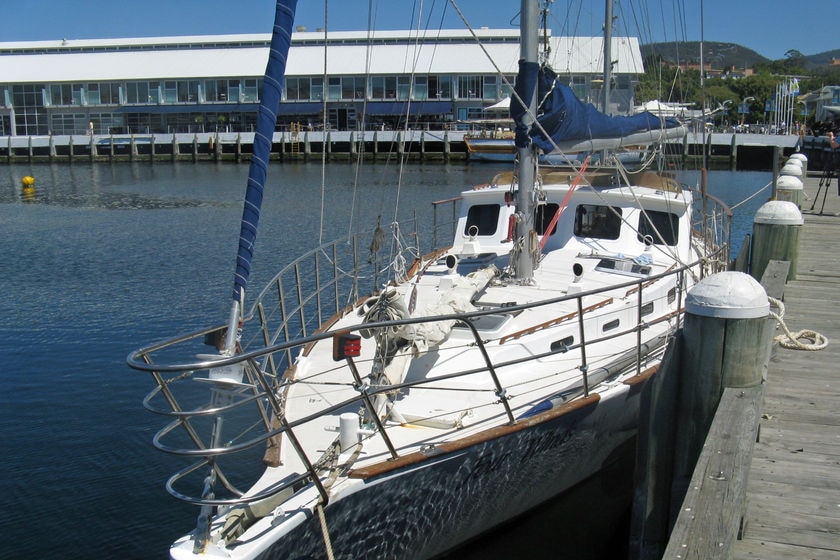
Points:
x=200, y=83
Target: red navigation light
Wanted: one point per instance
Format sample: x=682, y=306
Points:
x=346, y=345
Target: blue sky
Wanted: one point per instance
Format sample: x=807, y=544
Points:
x=770, y=27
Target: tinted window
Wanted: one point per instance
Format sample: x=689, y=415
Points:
x=485, y=217
x=665, y=223
x=543, y=214
x=600, y=222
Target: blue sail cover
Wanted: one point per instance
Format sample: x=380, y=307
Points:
x=281, y=38
x=564, y=117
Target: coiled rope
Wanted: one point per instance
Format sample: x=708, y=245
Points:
x=815, y=340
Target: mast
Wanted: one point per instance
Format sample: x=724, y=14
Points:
x=523, y=265
x=608, y=22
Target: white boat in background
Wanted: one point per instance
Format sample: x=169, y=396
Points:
x=474, y=383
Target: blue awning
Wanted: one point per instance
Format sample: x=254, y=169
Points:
x=192, y=108
x=398, y=108
x=300, y=108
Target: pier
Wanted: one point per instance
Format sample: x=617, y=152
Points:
x=766, y=484
x=295, y=145
x=793, y=488
x=723, y=150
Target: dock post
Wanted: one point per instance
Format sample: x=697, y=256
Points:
x=446, y=145
x=175, y=150
x=776, y=228
x=422, y=145
x=733, y=153
x=152, y=148
x=29, y=150
x=70, y=145
x=400, y=147
x=803, y=159
x=238, y=156
x=92, y=144
x=52, y=147
x=283, y=145
x=375, y=143
x=790, y=189
x=195, y=148
x=726, y=342
x=352, y=144
x=132, y=149
x=328, y=145
x=307, y=148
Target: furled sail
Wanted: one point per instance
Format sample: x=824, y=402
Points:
x=563, y=119
x=281, y=39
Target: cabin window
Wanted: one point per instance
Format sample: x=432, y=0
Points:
x=647, y=309
x=610, y=325
x=543, y=214
x=672, y=295
x=485, y=217
x=597, y=221
x=665, y=223
x=563, y=344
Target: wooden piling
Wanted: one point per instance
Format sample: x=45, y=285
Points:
x=776, y=228
x=725, y=343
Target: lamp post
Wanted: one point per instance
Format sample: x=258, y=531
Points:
x=724, y=107
x=744, y=108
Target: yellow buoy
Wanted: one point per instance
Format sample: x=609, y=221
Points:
x=28, y=182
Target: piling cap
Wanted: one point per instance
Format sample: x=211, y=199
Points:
x=789, y=182
x=728, y=295
x=791, y=169
x=779, y=212
x=794, y=161
x=799, y=157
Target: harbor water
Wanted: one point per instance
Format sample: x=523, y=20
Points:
x=103, y=258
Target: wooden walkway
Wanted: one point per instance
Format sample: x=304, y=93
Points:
x=793, y=491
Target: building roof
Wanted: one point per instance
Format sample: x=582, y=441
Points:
x=389, y=53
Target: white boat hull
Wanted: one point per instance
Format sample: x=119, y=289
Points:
x=425, y=509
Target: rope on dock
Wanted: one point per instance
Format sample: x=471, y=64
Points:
x=816, y=341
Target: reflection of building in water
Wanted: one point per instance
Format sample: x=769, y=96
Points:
x=208, y=83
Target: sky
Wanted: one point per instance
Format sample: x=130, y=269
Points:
x=769, y=27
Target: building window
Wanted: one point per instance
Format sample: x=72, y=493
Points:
x=490, y=88
x=403, y=87
x=233, y=91
x=440, y=87
x=250, y=90
x=317, y=89
x=377, y=87
x=421, y=88
x=170, y=92
x=469, y=87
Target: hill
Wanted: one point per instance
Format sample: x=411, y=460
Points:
x=823, y=59
x=725, y=55
x=719, y=55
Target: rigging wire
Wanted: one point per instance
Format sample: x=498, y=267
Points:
x=360, y=156
x=324, y=129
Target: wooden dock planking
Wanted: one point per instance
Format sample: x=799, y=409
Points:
x=793, y=490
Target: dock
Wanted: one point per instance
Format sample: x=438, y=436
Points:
x=722, y=150
x=793, y=488
x=766, y=484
